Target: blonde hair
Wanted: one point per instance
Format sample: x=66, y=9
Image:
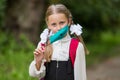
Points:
x=52, y=9
x=57, y=8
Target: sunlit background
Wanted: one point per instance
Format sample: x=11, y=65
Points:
x=22, y=21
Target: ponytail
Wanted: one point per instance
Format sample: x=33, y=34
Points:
x=82, y=41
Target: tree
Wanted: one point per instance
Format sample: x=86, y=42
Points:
x=24, y=16
x=95, y=16
x=2, y=8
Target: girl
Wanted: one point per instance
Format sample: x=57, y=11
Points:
x=51, y=57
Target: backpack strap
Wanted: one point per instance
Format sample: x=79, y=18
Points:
x=73, y=48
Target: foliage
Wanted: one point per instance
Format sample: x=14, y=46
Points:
x=2, y=11
x=101, y=50
x=103, y=13
x=99, y=19
x=95, y=16
x=54, y=1
x=15, y=57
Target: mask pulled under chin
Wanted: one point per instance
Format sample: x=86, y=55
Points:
x=59, y=34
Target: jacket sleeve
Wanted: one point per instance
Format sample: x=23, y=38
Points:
x=32, y=68
x=80, y=64
x=34, y=72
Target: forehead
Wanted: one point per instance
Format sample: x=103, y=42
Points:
x=57, y=17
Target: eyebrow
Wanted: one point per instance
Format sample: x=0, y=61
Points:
x=53, y=23
x=63, y=21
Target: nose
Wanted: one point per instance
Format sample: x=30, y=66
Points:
x=58, y=27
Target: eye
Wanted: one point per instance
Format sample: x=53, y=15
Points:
x=62, y=22
x=53, y=24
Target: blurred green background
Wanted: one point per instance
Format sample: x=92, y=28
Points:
x=21, y=22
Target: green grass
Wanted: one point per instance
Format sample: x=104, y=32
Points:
x=15, y=57
x=104, y=48
x=14, y=66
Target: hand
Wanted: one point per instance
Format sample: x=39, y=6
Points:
x=39, y=54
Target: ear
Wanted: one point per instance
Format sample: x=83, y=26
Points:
x=49, y=29
x=70, y=21
x=48, y=26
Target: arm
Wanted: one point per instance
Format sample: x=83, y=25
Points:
x=37, y=68
x=80, y=64
x=34, y=72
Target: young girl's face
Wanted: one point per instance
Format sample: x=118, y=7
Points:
x=57, y=21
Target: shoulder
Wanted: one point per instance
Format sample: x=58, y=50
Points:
x=80, y=45
x=80, y=48
x=77, y=43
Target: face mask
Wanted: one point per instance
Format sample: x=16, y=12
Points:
x=59, y=34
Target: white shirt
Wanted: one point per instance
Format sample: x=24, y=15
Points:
x=61, y=53
x=61, y=49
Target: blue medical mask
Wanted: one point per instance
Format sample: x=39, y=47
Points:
x=59, y=34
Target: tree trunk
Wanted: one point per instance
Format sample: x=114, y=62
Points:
x=25, y=17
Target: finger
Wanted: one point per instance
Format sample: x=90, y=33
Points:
x=38, y=50
x=42, y=49
x=35, y=53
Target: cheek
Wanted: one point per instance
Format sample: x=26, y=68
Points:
x=53, y=29
x=50, y=27
x=64, y=25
